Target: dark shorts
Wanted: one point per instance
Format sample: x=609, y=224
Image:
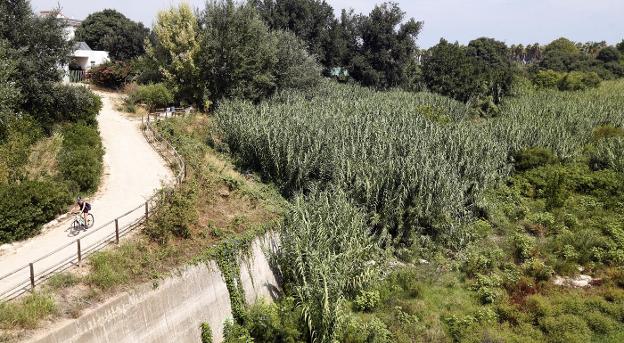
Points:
x=86, y=210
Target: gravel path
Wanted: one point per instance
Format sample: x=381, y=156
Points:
x=133, y=172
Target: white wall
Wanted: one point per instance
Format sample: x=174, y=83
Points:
x=93, y=58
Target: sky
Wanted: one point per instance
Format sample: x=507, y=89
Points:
x=512, y=21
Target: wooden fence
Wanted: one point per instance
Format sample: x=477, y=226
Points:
x=28, y=276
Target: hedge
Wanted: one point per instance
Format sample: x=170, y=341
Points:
x=26, y=206
x=80, y=159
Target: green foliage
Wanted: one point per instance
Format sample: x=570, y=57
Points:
x=111, y=31
x=275, y=322
x=72, y=104
x=174, y=51
x=608, y=153
x=27, y=206
x=312, y=21
x=238, y=52
x=576, y=80
x=548, y=79
x=532, y=158
x=236, y=333
x=480, y=72
x=110, y=74
x=387, y=44
x=326, y=255
x=609, y=54
x=562, y=55
x=26, y=313
x=80, y=159
x=63, y=280
x=566, y=328
x=153, y=96
x=295, y=68
x=206, y=333
x=37, y=46
x=176, y=214
x=366, y=301
x=365, y=331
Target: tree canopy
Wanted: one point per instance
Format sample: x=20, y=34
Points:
x=111, y=31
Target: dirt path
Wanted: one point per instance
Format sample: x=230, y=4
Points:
x=133, y=172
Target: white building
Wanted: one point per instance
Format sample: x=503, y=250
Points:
x=82, y=58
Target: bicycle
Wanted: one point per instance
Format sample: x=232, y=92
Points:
x=79, y=223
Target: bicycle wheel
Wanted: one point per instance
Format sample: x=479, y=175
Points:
x=90, y=220
x=76, y=226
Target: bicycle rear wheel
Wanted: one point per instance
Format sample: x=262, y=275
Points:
x=90, y=220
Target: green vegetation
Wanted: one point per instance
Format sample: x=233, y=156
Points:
x=49, y=144
x=152, y=96
x=111, y=31
x=545, y=201
x=27, y=312
x=110, y=74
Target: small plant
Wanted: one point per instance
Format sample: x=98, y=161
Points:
x=63, y=280
x=206, y=333
x=367, y=301
x=532, y=158
x=153, y=96
x=110, y=75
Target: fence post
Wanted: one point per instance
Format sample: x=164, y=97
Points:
x=146, y=212
x=32, y=275
x=79, y=251
x=116, y=231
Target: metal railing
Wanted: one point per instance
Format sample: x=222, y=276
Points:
x=28, y=276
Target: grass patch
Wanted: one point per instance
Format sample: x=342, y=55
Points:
x=63, y=280
x=27, y=312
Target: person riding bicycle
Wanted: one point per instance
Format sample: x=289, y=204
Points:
x=84, y=208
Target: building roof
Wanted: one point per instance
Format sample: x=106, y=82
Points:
x=81, y=46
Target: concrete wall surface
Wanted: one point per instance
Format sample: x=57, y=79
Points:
x=173, y=310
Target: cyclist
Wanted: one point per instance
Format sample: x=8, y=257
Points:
x=84, y=208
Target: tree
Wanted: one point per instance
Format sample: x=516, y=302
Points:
x=493, y=66
x=450, y=71
x=111, y=31
x=609, y=54
x=386, y=47
x=295, y=67
x=36, y=47
x=564, y=56
x=620, y=46
x=311, y=20
x=238, y=53
x=175, y=49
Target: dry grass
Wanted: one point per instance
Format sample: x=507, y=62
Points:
x=42, y=161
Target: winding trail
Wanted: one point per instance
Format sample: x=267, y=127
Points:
x=133, y=172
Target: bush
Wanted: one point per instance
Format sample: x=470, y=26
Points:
x=26, y=206
x=566, y=328
x=370, y=331
x=76, y=105
x=235, y=333
x=80, y=159
x=152, y=96
x=367, y=301
x=532, y=158
x=548, y=79
x=206, y=333
x=577, y=80
x=110, y=75
x=175, y=216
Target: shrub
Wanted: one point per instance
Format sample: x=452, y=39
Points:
x=600, y=323
x=532, y=158
x=235, y=333
x=110, y=75
x=80, y=159
x=206, y=333
x=152, y=96
x=488, y=288
x=76, y=105
x=538, y=270
x=63, y=280
x=577, y=80
x=176, y=214
x=26, y=206
x=523, y=246
x=370, y=331
x=608, y=153
x=566, y=328
x=367, y=301
x=548, y=79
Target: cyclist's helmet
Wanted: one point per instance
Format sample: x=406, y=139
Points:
x=79, y=200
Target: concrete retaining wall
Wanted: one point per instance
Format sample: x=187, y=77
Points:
x=171, y=312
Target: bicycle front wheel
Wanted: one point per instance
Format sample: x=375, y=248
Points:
x=90, y=220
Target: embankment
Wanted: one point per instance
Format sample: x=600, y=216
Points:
x=173, y=309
